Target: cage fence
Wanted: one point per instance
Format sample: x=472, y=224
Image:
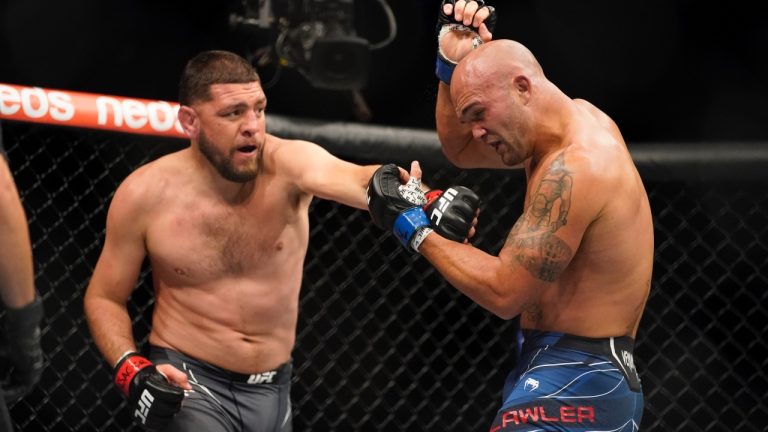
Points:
x=384, y=343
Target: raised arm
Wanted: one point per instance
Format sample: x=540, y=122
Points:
x=455, y=40
x=459, y=145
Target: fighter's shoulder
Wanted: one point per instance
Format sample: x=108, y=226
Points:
x=595, y=172
x=148, y=183
x=291, y=152
x=275, y=143
x=601, y=119
x=591, y=158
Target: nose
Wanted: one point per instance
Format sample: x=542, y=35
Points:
x=251, y=123
x=478, y=132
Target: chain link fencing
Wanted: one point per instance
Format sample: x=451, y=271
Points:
x=384, y=343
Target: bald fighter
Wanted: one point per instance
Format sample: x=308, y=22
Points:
x=576, y=266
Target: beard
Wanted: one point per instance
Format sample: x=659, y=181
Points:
x=223, y=162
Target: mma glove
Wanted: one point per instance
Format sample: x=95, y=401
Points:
x=446, y=23
x=153, y=400
x=22, y=332
x=451, y=212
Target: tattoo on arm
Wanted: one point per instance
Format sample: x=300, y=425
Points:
x=533, y=239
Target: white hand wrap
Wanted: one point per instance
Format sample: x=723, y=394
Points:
x=412, y=192
x=476, y=41
x=419, y=238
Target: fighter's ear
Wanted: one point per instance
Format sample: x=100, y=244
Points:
x=521, y=85
x=189, y=121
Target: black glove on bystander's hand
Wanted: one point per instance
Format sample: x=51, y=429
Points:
x=22, y=331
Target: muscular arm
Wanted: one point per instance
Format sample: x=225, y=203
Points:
x=489, y=281
x=455, y=137
x=458, y=143
x=115, y=275
x=319, y=173
x=16, y=269
x=538, y=249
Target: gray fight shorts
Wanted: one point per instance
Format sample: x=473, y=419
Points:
x=227, y=401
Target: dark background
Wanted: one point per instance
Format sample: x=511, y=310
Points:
x=665, y=70
x=379, y=350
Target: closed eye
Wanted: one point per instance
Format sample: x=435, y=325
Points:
x=471, y=113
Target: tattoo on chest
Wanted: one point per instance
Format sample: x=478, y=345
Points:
x=533, y=238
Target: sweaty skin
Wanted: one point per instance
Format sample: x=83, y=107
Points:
x=579, y=258
x=226, y=256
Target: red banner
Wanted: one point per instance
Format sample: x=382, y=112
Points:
x=88, y=110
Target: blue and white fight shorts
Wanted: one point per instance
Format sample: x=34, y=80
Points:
x=572, y=383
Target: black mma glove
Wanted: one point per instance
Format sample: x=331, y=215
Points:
x=445, y=23
x=153, y=400
x=390, y=209
x=452, y=211
x=22, y=331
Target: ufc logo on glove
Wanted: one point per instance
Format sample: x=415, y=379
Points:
x=442, y=203
x=145, y=403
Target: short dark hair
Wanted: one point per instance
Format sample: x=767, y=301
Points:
x=213, y=67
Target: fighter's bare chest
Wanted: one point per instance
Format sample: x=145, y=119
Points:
x=215, y=239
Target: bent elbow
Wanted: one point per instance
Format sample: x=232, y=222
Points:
x=505, y=308
x=454, y=157
x=455, y=147
x=506, y=313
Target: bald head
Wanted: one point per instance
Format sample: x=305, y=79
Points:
x=496, y=58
